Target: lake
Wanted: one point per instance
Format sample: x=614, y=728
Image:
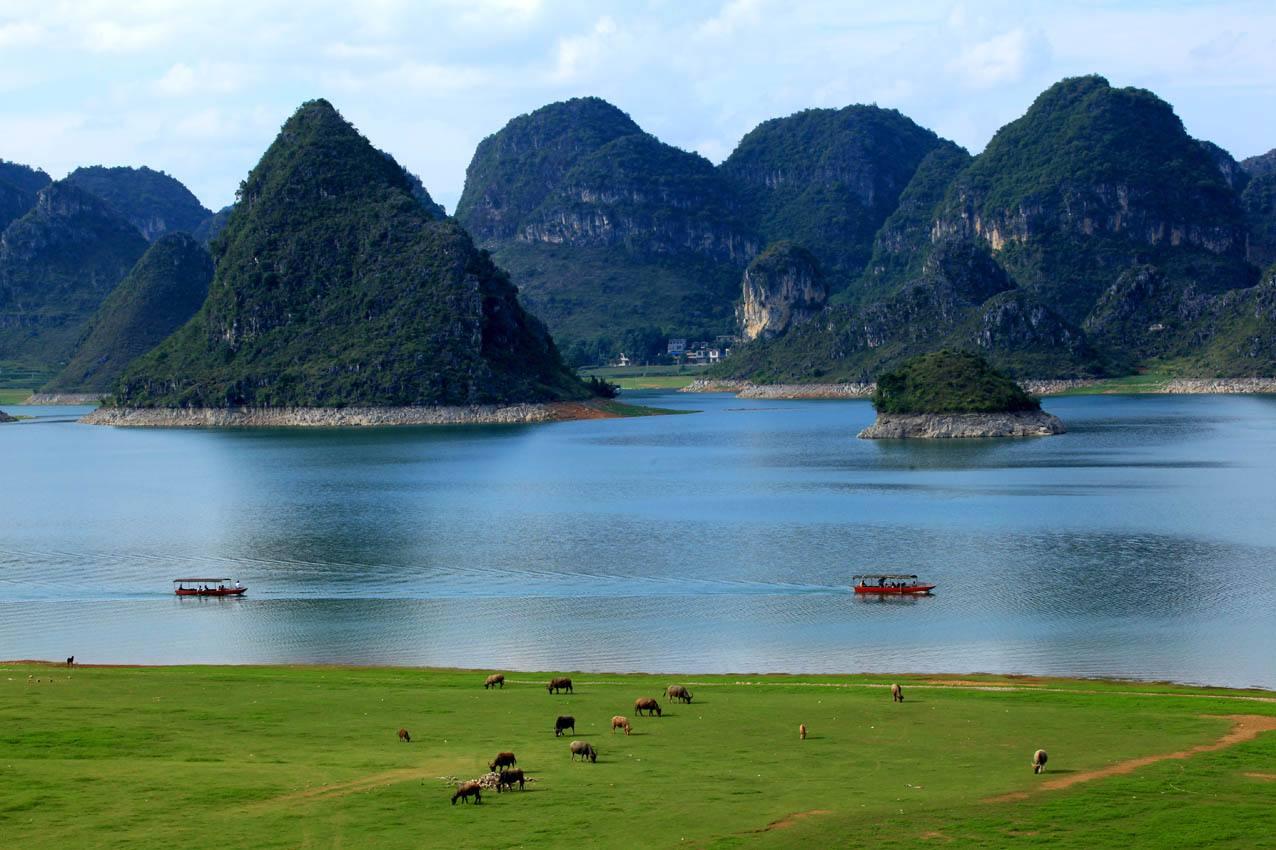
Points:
x=1141, y=544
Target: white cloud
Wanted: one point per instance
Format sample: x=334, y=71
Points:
x=183, y=80
x=1001, y=59
x=20, y=34
x=107, y=36
x=576, y=54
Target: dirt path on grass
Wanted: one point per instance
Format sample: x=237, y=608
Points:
x=359, y=784
x=792, y=820
x=1245, y=727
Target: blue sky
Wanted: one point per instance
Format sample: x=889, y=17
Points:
x=199, y=89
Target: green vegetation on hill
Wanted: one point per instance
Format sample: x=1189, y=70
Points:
x=903, y=243
x=24, y=177
x=949, y=382
x=827, y=179
x=57, y=264
x=238, y=757
x=159, y=295
x=605, y=229
x=1093, y=179
x=152, y=201
x=206, y=231
x=335, y=286
x=14, y=204
x=514, y=170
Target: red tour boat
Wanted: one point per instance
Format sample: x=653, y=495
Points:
x=208, y=587
x=891, y=584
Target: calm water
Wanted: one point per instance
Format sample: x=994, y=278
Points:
x=1142, y=543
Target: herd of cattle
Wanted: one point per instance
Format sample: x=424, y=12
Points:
x=504, y=767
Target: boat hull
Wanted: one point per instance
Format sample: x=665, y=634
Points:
x=226, y=591
x=912, y=590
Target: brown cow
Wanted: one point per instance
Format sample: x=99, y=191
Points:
x=404, y=736
x=508, y=778
x=585, y=750
x=495, y=680
x=678, y=692
x=502, y=760
x=563, y=723
x=620, y=722
x=897, y=693
x=466, y=790
x=648, y=705
x=561, y=683
x=802, y=731
x=1039, y=759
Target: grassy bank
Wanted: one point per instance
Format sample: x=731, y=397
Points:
x=288, y=757
x=647, y=377
x=12, y=396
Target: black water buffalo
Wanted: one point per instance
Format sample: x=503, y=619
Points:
x=561, y=683
x=563, y=723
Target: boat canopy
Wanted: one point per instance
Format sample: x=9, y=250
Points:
x=883, y=575
x=207, y=580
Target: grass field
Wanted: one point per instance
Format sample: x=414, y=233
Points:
x=308, y=757
x=647, y=377
x=11, y=396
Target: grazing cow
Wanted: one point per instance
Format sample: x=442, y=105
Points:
x=508, y=778
x=1039, y=759
x=802, y=731
x=70, y=662
x=466, y=790
x=620, y=722
x=648, y=705
x=495, y=680
x=585, y=750
x=897, y=693
x=560, y=684
x=678, y=692
x=404, y=736
x=502, y=760
x=563, y=723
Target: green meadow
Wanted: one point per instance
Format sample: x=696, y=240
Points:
x=309, y=757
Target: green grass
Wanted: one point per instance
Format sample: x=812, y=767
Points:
x=647, y=377
x=289, y=757
x=14, y=396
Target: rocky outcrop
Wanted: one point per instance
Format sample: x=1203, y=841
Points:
x=933, y=426
x=55, y=399
x=4, y=417
x=338, y=417
x=782, y=288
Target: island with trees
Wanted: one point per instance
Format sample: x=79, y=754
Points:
x=948, y=394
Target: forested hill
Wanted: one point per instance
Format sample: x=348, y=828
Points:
x=1092, y=235
x=152, y=201
x=335, y=285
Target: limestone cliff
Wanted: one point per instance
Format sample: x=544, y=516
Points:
x=782, y=288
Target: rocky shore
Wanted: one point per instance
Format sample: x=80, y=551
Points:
x=1175, y=386
x=907, y=426
x=344, y=417
x=78, y=399
x=4, y=417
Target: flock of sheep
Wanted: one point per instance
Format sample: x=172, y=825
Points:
x=505, y=773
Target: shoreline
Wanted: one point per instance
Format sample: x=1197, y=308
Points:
x=67, y=399
x=1042, y=387
x=969, y=680
x=362, y=417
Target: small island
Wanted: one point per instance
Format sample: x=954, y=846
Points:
x=954, y=394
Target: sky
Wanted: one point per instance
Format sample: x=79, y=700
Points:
x=199, y=89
